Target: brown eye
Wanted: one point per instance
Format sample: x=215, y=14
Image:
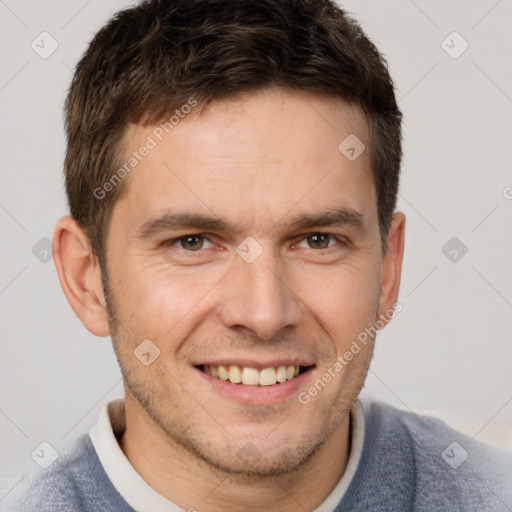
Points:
x=191, y=242
x=318, y=241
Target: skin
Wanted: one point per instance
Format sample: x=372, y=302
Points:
x=257, y=162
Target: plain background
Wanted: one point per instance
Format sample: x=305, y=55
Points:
x=450, y=348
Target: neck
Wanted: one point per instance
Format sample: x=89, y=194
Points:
x=191, y=483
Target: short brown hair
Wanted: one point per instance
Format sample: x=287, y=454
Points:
x=150, y=59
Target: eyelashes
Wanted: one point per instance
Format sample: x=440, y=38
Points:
x=316, y=241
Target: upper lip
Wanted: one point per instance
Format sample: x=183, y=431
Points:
x=258, y=364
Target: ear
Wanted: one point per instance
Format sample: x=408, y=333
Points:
x=392, y=268
x=79, y=275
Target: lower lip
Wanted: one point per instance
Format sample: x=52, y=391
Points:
x=257, y=395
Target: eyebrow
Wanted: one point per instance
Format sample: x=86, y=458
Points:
x=335, y=217
x=181, y=220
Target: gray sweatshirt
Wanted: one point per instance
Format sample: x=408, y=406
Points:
x=408, y=463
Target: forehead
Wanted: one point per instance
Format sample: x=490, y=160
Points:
x=256, y=159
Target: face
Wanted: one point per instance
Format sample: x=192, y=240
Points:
x=247, y=247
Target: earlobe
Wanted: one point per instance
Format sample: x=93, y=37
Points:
x=392, y=268
x=79, y=275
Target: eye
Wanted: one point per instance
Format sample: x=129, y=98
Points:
x=319, y=241
x=190, y=242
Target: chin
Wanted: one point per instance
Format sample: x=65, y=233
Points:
x=249, y=462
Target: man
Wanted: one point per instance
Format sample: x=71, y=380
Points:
x=232, y=171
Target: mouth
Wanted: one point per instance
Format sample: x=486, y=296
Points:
x=250, y=376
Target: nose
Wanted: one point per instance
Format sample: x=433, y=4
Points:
x=258, y=296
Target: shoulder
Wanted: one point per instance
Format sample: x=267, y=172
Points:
x=442, y=465
x=76, y=481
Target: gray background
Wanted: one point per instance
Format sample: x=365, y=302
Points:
x=450, y=348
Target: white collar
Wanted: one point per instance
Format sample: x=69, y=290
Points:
x=143, y=498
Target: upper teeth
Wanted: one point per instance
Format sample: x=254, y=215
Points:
x=252, y=376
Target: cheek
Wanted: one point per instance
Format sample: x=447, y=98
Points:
x=345, y=299
x=157, y=299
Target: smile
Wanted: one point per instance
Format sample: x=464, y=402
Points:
x=248, y=376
